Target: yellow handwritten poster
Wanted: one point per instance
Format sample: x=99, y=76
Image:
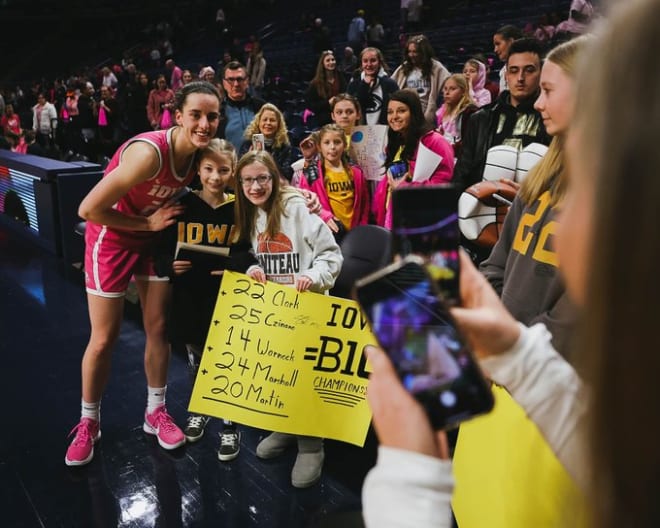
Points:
x=285, y=361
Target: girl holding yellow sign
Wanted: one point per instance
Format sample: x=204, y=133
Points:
x=295, y=248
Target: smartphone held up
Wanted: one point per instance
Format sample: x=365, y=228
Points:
x=425, y=223
x=414, y=326
x=398, y=169
x=258, y=142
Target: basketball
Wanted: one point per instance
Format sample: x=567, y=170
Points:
x=501, y=162
x=505, y=162
x=480, y=214
x=527, y=158
x=279, y=244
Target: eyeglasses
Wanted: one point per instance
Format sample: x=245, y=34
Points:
x=233, y=80
x=260, y=180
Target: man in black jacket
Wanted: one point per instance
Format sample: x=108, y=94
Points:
x=510, y=120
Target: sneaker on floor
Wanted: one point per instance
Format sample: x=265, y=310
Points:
x=230, y=444
x=274, y=445
x=195, y=427
x=81, y=449
x=160, y=423
x=307, y=469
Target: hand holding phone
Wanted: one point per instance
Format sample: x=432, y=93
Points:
x=419, y=335
x=397, y=170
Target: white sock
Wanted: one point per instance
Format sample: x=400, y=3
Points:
x=90, y=410
x=155, y=398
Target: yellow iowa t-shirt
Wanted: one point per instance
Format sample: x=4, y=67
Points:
x=341, y=193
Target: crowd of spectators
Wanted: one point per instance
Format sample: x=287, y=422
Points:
x=83, y=127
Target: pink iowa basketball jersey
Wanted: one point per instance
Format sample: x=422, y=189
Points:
x=146, y=197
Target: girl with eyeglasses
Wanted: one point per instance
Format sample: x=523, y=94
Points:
x=278, y=223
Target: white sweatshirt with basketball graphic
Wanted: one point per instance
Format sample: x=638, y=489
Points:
x=304, y=246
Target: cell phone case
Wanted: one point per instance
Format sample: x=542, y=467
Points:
x=398, y=169
x=414, y=326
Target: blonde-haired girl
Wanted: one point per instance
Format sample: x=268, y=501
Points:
x=341, y=187
x=208, y=219
x=452, y=117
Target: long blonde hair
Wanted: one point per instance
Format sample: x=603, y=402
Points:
x=281, y=134
x=465, y=100
x=548, y=174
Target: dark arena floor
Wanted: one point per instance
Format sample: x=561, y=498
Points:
x=131, y=482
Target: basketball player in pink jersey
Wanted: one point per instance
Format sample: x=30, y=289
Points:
x=124, y=211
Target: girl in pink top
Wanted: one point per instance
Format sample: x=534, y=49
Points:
x=475, y=73
x=408, y=130
x=160, y=99
x=456, y=108
x=10, y=122
x=341, y=186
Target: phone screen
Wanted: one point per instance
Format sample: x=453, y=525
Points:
x=258, y=141
x=417, y=331
x=425, y=223
x=398, y=169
